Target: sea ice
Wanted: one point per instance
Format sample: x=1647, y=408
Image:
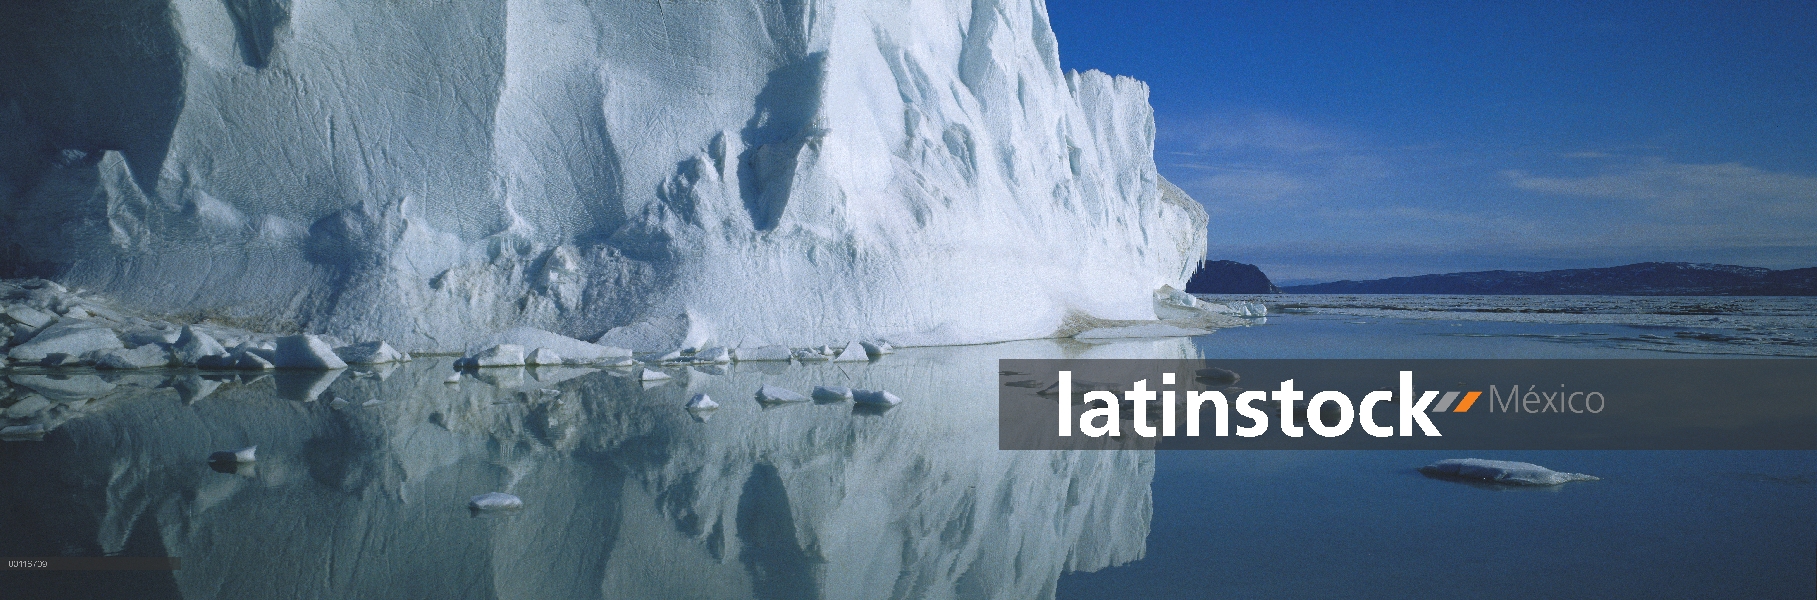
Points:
x=878, y=348
x=19, y=433
x=652, y=375
x=28, y=316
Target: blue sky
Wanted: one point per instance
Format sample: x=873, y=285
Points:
x=1358, y=140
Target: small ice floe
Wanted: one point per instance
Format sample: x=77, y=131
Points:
x=826, y=394
x=1500, y=472
x=811, y=355
x=305, y=352
x=543, y=357
x=495, y=501
x=454, y=377
x=1216, y=375
x=717, y=355
x=677, y=357
x=763, y=354
x=702, y=402
x=1152, y=330
x=22, y=433
x=339, y=403
x=502, y=355
x=195, y=348
x=853, y=352
x=250, y=359
x=373, y=402
x=652, y=375
x=28, y=316
x=241, y=456
x=770, y=394
x=878, y=348
x=72, y=337
x=370, y=353
x=28, y=406
x=875, y=398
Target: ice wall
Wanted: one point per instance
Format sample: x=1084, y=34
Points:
x=736, y=172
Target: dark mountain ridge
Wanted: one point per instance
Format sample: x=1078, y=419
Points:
x=1639, y=279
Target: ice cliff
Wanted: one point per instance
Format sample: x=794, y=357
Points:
x=665, y=174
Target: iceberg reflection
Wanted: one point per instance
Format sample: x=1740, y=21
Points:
x=626, y=493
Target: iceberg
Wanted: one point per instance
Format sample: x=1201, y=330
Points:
x=834, y=170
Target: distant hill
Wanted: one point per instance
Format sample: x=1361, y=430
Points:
x=1641, y=279
x=1229, y=277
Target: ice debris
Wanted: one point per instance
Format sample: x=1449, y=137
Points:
x=72, y=337
x=878, y=348
x=370, y=353
x=832, y=394
x=763, y=354
x=305, y=352
x=770, y=394
x=28, y=316
x=143, y=357
x=197, y=349
x=243, y=455
x=1501, y=472
x=650, y=375
x=853, y=352
x=702, y=402
x=811, y=355
x=875, y=398
x=502, y=355
x=495, y=501
x=543, y=357
x=20, y=433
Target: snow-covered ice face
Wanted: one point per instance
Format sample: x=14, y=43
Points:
x=711, y=173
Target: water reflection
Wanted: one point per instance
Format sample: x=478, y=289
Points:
x=363, y=477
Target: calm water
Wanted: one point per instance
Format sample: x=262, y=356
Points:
x=628, y=496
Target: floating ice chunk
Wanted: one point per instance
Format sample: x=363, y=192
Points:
x=495, y=501
x=192, y=387
x=1154, y=330
x=651, y=375
x=811, y=355
x=28, y=316
x=74, y=338
x=543, y=357
x=143, y=357
x=502, y=355
x=243, y=455
x=249, y=359
x=702, y=402
x=454, y=377
x=370, y=353
x=763, y=354
x=372, y=402
x=140, y=336
x=305, y=352
x=831, y=394
x=571, y=350
x=76, y=312
x=878, y=348
x=194, y=346
x=853, y=352
x=339, y=403
x=20, y=433
x=65, y=388
x=875, y=398
x=713, y=355
x=27, y=407
x=1216, y=375
x=675, y=357
x=770, y=394
x=1501, y=471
